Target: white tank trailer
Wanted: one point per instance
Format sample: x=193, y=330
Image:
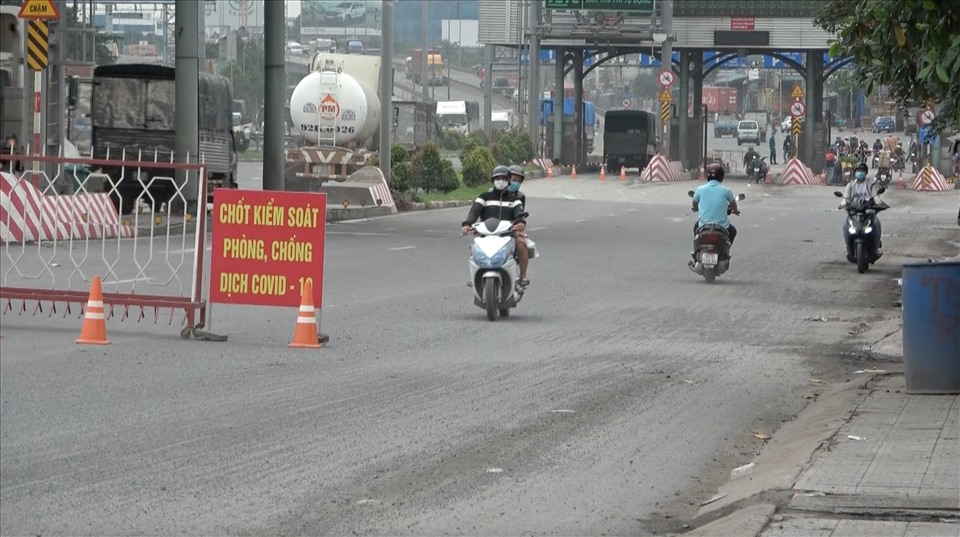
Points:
x=336, y=111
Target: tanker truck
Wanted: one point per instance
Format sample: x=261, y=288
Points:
x=335, y=111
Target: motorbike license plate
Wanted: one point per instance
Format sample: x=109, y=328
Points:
x=709, y=259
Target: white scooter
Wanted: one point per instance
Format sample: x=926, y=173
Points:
x=494, y=269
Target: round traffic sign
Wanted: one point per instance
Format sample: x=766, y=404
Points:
x=665, y=78
x=927, y=117
x=797, y=109
x=626, y=102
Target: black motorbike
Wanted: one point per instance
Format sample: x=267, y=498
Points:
x=883, y=178
x=711, y=248
x=757, y=170
x=860, y=218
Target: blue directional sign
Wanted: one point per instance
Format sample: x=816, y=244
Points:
x=739, y=62
x=546, y=56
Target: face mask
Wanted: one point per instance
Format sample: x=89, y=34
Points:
x=514, y=186
x=861, y=176
x=499, y=184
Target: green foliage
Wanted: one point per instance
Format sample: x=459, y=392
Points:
x=479, y=137
x=398, y=154
x=478, y=166
x=246, y=72
x=452, y=140
x=512, y=148
x=401, y=176
x=468, y=146
x=911, y=46
x=431, y=172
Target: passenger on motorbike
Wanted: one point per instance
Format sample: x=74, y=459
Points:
x=865, y=189
x=502, y=204
x=516, y=180
x=712, y=201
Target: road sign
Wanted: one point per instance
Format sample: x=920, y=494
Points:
x=927, y=116
x=665, y=78
x=38, y=53
x=665, y=97
x=39, y=10
x=797, y=92
x=626, y=103
x=665, y=112
x=796, y=126
x=632, y=7
x=797, y=109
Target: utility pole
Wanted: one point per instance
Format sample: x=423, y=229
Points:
x=187, y=110
x=533, y=85
x=666, y=62
x=274, y=95
x=386, y=87
x=424, y=56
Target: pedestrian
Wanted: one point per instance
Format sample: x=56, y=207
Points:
x=773, y=146
x=831, y=169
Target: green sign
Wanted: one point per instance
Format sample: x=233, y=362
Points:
x=748, y=8
x=641, y=7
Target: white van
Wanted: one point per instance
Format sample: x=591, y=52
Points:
x=748, y=130
x=294, y=48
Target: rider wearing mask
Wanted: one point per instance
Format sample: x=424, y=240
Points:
x=516, y=179
x=712, y=201
x=500, y=203
x=862, y=188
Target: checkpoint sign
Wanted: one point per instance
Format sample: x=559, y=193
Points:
x=665, y=78
x=797, y=109
x=926, y=117
x=266, y=245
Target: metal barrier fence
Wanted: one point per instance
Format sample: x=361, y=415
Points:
x=55, y=243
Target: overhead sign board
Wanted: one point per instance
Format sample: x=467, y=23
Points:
x=39, y=10
x=637, y=7
x=748, y=8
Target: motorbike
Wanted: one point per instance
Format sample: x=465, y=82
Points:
x=757, y=170
x=847, y=175
x=494, y=269
x=860, y=217
x=711, y=249
x=883, y=178
x=841, y=124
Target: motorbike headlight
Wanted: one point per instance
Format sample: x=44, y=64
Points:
x=852, y=230
x=868, y=229
x=496, y=260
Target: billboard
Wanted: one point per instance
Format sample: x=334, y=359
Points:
x=333, y=18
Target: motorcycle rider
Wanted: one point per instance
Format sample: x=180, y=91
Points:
x=516, y=180
x=712, y=200
x=500, y=203
x=861, y=188
x=749, y=156
x=877, y=147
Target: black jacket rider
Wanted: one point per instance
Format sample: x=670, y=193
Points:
x=500, y=204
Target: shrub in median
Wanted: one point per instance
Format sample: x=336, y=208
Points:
x=431, y=172
x=478, y=166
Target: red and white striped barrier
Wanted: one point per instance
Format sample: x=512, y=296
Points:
x=27, y=215
x=544, y=163
x=929, y=179
x=660, y=170
x=381, y=195
x=797, y=174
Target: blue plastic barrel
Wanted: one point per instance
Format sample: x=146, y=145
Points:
x=931, y=327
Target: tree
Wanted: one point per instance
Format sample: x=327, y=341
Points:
x=910, y=46
x=478, y=166
x=96, y=48
x=246, y=72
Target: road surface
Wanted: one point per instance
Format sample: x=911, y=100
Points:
x=620, y=392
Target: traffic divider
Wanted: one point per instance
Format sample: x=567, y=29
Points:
x=796, y=173
x=929, y=179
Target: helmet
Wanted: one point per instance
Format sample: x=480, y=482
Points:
x=714, y=171
x=500, y=171
x=862, y=166
x=516, y=170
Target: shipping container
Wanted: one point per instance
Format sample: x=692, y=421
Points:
x=720, y=99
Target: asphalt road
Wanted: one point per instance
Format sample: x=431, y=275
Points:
x=621, y=390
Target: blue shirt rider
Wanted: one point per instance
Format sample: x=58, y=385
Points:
x=712, y=201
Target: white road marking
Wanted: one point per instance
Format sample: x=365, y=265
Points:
x=188, y=250
x=398, y=248
x=536, y=228
x=579, y=221
x=359, y=233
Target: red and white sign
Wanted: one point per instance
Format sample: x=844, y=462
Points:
x=329, y=108
x=797, y=109
x=266, y=246
x=626, y=103
x=927, y=117
x=665, y=78
x=743, y=23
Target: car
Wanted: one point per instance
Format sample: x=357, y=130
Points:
x=748, y=131
x=725, y=126
x=345, y=12
x=787, y=123
x=884, y=124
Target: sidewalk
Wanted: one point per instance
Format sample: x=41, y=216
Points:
x=867, y=459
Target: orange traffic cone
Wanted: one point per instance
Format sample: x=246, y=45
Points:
x=900, y=181
x=603, y=172
x=305, y=333
x=623, y=173
x=573, y=173
x=94, y=331
x=549, y=172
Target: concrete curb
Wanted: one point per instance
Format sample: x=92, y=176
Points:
x=412, y=206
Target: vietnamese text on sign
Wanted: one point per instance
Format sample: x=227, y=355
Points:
x=267, y=246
